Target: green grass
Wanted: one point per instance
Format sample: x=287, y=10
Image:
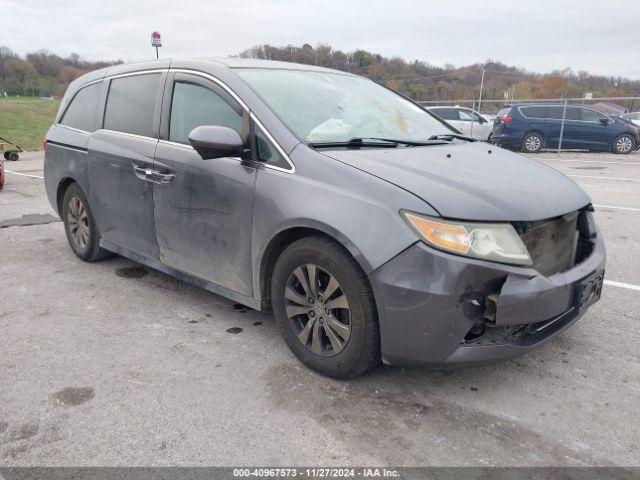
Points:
x=25, y=120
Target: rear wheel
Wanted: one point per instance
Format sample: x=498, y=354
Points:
x=12, y=156
x=325, y=309
x=624, y=144
x=532, y=142
x=80, y=227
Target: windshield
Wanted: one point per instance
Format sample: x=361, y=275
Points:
x=333, y=107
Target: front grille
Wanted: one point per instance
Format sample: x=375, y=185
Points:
x=552, y=243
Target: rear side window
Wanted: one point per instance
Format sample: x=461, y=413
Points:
x=131, y=104
x=534, y=112
x=194, y=105
x=555, y=112
x=82, y=111
x=447, y=113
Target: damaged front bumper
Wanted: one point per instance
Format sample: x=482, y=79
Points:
x=437, y=309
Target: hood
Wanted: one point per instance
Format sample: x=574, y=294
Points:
x=464, y=181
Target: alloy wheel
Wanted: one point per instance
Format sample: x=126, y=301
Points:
x=532, y=143
x=318, y=310
x=78, y=223
x=624, y=144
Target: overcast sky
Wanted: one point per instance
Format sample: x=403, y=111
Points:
x=601, y=36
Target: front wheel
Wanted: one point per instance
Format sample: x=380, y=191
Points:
x=325, y=309
x=12, y=156
x=624, y=144
x=532, y=143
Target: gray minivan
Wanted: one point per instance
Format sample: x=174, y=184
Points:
x=371, y=229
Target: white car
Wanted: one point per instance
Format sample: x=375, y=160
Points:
x=468, y=121
x=633, y=116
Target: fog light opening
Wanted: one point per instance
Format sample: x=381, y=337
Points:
x=477, y=330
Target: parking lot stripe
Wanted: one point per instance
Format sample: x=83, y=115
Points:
x=606, y=178
x=23, y=174
x=631, y=209
x=622, y=285
x=587, y=161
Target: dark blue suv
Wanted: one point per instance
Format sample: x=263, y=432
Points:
x=531, y=128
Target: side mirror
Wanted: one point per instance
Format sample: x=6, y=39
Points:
x=216, y=142
x=604, y=121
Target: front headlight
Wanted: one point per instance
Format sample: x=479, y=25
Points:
x=497, y=242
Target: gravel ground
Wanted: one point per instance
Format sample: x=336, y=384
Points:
x=115, y=364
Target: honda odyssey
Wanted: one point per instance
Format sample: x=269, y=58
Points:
x=370, y=229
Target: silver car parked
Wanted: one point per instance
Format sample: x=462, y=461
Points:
x=372, y=230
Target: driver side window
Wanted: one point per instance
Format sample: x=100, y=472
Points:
x=194, y=105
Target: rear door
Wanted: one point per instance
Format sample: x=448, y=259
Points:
x=121, y=156
x=203, y=210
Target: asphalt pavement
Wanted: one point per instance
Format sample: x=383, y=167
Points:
x=115, y=364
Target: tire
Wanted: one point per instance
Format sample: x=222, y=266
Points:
x=11, y=156
x=532, y=142
x=80, y=227
x=624, y=144
x=315, y=327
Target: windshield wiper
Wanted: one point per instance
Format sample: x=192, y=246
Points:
x=358, y=142
x=451, y=136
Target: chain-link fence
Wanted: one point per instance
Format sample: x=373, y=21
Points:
x=534, y=125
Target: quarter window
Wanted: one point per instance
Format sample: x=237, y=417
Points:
x=81, y=112
x=194, y=105
x=267, y=153
x=131, y=104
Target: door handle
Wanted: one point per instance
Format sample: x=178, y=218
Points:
x=150, y=175
x=163, y=178
x=142, y=173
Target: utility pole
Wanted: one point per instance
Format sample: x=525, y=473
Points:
x=481, y=86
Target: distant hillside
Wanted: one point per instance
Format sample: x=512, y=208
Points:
x=41, y=73
x=44, y=73
x=423, y=81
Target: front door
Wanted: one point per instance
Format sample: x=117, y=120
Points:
x=203, y=208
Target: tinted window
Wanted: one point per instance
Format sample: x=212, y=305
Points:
x=591, y=115
x=574, y=113
x=81, y=112
x=267, y=152
x=534, y=112
x=193, y=106
x=131, y=104
x=447, y=113
x=555, y=112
